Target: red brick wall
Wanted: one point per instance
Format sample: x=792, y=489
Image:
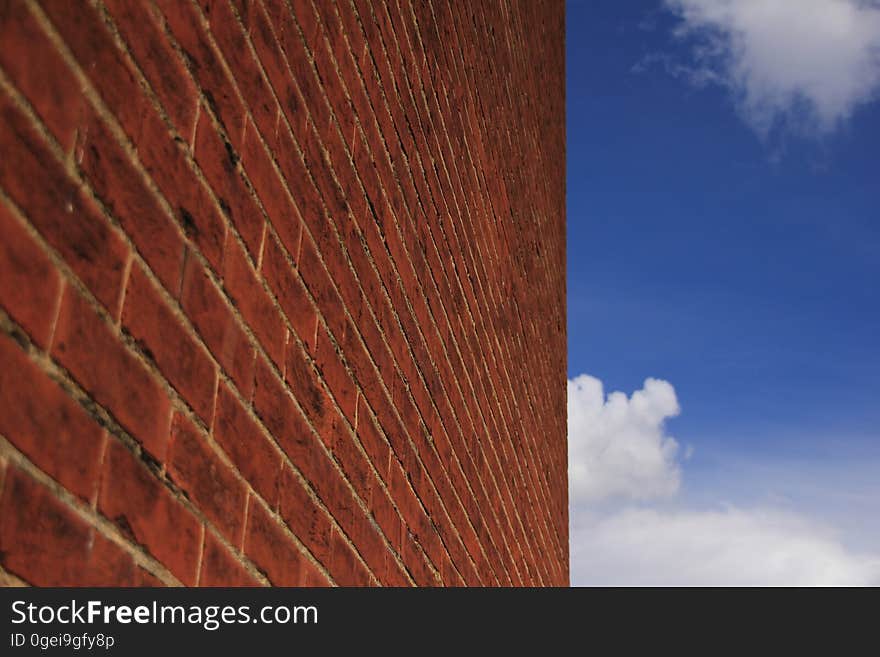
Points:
x=282, y=292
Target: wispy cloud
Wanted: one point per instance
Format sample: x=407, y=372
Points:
x=731, y=547
x=803, y=65
x=629, y=528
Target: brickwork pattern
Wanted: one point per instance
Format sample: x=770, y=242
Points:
x=282, y=293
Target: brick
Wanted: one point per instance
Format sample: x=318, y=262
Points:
x=345, y=568
x=46, y=425
x=271, y=56
x=166, y=341
x=39, y=72
x=258, y=461
x=288, y=157
x=305, y=517
x=278, y=412
x=320, y=285
x=85, y=33
x=29, y=284
x=412, y=553
x=387, y=517
x=340, y=501
x=46, y=543
x=198, y=215
x=374, y=551
x=209, y=483
x=85, y=345
x=341, y=212
x=246, y=291
x=274, y=554
x=334, y=373
x=60, y=211
x=141, y=26
x=300, y=376
x=145, y=511
x=221, y=568
x=268, y=185
x=145, y=578
x=126, y=196
x=245, y=71
x=374, y=444
x=219, y=159
x=290, y=293
x=203, y=303
x=182, y=20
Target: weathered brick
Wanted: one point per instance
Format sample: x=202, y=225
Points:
x=46, y=543
x=144, y=578
x=271, y=55
x=344, y=564
x=59, y=210
x=246, y=291
x=85, y=33
x=87, y=347
x=334, y=373
x=49, y=427
x=184, y=23
x=165, y=340
x=207, y=310
x=268, y=185
x=194, y=210
x=267, y=545
x=342, y=213
x=219, y=159
x=305, y=517
x=126, y=196
x=320, y=285
x=209, y=483
x=232, y=43
x=145, y=511
x=29, y=284
x=301, y=377
x=140, y=24
x=221, y=568
x=290, y=293
x=241, y=438
x=39, y=72
x=278, y=412
x=374, y=444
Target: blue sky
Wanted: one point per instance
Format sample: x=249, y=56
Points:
x=724, y=237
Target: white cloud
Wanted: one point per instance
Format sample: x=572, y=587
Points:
x=619, y=453
x=806, y=65
x=732, y=547
x=617, y=446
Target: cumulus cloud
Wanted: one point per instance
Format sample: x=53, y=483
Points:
x=627, y=526
x=731, y=547
x=617, y=446
x=805, y=65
